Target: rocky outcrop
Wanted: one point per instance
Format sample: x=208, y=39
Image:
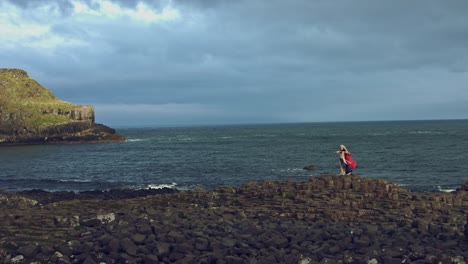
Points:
x=310, y=167
x=327, y=219
x=31, y=114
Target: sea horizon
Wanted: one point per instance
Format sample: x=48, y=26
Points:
x=182, y=125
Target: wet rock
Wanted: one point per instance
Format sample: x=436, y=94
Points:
x=234, y=260
x=90, y=260
x=361, y=242
x=114, y=245
x=45, y=197
x=310, y=167
x=278, y=242
x=201, y=244
x=393, y=252
x=175, y=256
x=334, y=250
x=175, y=236
x=47, y=250
x=128, y=246
x=65, y=250
x=151, y=259
x=104, y=239
x=162, y=249
x=416, y=252
x=466, y=232
x=185, y=247
x=138, y=238
x=228, y=243
x=145, y=229
x=91, y=222
x=28, y=251
x=465, y=186
x=390, y=260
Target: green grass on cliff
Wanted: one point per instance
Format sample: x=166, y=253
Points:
x=49, y=120
x=21, y=94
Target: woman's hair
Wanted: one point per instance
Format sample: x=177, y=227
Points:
x=343, y=147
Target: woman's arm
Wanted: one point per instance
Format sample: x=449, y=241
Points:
x=342, y=156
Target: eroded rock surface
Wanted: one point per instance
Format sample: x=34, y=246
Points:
x=328, y=219
x=31, y=114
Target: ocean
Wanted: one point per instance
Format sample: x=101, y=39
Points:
x=417, y=155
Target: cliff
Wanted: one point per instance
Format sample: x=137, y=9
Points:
x=31, y=114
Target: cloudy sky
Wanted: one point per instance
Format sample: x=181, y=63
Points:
x=189, y=62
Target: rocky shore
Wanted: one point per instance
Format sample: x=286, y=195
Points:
x=327, y=219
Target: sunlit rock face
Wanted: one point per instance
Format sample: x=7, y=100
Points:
x=31, y=114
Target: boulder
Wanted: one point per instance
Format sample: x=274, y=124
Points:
x=28, y=251
x=128, y=246
x=310, y=167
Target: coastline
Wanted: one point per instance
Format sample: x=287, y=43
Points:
x=327, y=219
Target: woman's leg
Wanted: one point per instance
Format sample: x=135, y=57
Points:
x=342, y=167
x=347, y=169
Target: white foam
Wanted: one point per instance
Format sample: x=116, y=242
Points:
x=289, y=170
x=445, y=190
x=135, y=140
x=73, y=180
x=161, y=186
x=425, y=132
x=379, y=134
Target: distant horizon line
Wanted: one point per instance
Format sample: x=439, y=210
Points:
x=275, y=123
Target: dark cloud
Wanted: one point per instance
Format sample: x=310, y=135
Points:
x=259, y=61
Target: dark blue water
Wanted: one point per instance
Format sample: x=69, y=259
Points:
x=420, y=155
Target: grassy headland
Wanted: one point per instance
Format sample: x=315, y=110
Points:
x=21, y=94
x=31, y=114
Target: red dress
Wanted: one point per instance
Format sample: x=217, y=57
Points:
x=349, y=160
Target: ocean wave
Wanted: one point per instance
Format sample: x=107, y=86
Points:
x=440, y=189
x=288, y=170
x=432, y=188
x=136, y=140
x=72, y=180
x=161, y=186
x=53, y=185
x=44, y=181
x=380, y=134
x=77, y=185
x=173, y=185
x=422, y=132
x=264, y=135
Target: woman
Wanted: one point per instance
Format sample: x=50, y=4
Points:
x=344, y=160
